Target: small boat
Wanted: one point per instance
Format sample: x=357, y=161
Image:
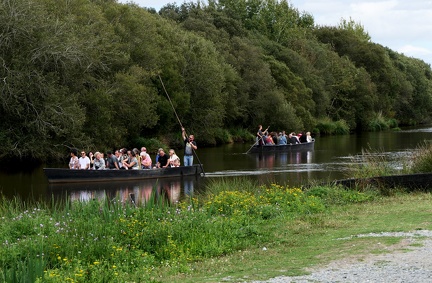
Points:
x=65, y=175
x=307, y=146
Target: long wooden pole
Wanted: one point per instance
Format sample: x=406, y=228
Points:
x=178, y=119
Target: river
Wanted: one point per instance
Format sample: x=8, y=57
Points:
x=330, y=160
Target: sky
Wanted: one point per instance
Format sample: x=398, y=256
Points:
x=403, y=26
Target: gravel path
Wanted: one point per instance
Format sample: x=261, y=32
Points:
x=404, y=263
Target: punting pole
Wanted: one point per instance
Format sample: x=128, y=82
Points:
x=257, y=141
x=178, y=119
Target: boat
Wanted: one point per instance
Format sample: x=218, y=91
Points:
x=418, y=181
x=65, y=175
x=307, y=146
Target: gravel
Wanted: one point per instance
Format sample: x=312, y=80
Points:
x=408, y=261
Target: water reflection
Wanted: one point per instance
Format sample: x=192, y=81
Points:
x=137, y=192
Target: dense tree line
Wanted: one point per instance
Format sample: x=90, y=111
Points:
x=89, y=73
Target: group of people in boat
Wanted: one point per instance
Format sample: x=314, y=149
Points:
x=264, y=137
x=133, y=159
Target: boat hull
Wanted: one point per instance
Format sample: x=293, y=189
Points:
x=308, y=146
x=64, y=175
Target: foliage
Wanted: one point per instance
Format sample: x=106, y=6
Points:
x=327, y=127
x=101, y=74
x=340, y=196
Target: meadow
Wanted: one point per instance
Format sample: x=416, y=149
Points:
x=116, y=241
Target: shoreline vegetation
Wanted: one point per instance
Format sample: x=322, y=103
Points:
x=78, y=75
x=236, y=230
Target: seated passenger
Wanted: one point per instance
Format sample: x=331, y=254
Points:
x=173, y=159
x=131, y=162
x=282, y=139
x=302, y=137
x=74, y=163
x=99, y=162
x=146, y=161
x=274, y=137
x=269, y=139
x=162, y=160
x=112, y=162
x=309, y=137
x=293, y=139
x=84, y=161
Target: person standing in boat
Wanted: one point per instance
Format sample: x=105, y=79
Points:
x=261, y=135
x=190, y=146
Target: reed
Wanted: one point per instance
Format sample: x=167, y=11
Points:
x=421, y=161
x=372, y=163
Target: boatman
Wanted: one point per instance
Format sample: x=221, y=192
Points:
x=261, y=134
x=190, y=146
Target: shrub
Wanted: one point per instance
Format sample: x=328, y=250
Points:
x=422, y=159
x=328, y=127
x=242, y=135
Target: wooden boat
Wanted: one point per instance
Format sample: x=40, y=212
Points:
x=419, y=181
x=65, y=175
x=307, y=146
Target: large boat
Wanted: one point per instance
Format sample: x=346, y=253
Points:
x=65, y=175
x=307, y=146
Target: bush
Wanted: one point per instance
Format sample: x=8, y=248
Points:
x=326, y=126
x=242, y=135
x=222, y=136
x=380, y=123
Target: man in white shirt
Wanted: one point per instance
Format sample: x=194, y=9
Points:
x=84, y=161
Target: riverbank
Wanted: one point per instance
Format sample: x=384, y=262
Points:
x=236, y=232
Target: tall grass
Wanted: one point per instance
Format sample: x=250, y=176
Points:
x=326, y=126
x=422, y=159
x=372, y=163
x=381, y=123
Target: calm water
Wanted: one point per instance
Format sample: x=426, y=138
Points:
x=328, y=161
